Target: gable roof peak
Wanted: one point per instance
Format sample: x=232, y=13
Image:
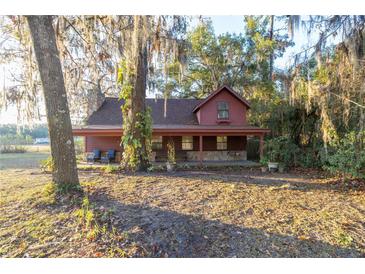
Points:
x=214, y=93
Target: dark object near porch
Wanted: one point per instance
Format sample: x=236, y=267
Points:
x=110, y=156
x=95, y=155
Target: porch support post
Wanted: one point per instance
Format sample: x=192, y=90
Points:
x=85, y=144
x=261, y=146
x=201, y=149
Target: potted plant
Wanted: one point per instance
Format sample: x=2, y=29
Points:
x=171, y=161
x=263, y=163
x=281, y=168
x=274, y=154
x=273, y=166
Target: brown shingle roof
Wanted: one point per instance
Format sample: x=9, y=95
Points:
x=179, y=112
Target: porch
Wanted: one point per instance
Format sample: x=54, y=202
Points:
x=210, y=164
x=190, y=148
x=192, y=144
x=179, y=165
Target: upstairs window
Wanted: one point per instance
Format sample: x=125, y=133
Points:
x=221, y=142
x=156, y=142
x=187, y=143
x=223, y=111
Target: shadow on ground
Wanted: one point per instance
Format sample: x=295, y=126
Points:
x=164, y=233
x=250, y=177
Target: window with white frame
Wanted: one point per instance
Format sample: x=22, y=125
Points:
x=223, y=111
x=156, y=142
x=221, y=142
x=187, y=143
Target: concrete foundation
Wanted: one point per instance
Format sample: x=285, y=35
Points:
x=217, y=155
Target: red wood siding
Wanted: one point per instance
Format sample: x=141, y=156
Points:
x=103, y=143
x=209, y=143
x=208, y=115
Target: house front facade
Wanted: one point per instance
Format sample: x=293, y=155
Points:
x=210, y=129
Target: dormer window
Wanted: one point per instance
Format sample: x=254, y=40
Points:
x=223, y=111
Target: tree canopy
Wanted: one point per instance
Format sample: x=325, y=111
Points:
x=313, y=103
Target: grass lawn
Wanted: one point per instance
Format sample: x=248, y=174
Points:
x=231, y=213
x=30, y=159
x=22, y=160
x=38, y=148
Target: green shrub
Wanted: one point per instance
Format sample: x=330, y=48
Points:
x=49, y=193
x=311, y=157
x=85, y=214
x=69, y=188
x=264, y=161
x=344, y=239
x=47, y=165
x=95, y=221
x=13, y=143
x=346, y=158
x=49, y=189
x=111, y=169
x=283, y=150
x=12, y=149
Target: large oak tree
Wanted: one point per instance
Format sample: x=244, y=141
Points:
x=152, y=36
x=58, y=116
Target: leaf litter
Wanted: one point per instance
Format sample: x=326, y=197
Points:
x=219, y=213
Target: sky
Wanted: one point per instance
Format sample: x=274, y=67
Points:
x=234, y=24
x=221, y=24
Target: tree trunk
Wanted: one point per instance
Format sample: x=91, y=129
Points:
x=137, y=100
x=58, y=116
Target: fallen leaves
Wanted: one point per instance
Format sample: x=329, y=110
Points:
x=187, y=214
x=303, y=237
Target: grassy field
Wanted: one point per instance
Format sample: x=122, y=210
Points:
x=38, y=148
x=230, y=213
x=22, y=160
x=29, y=159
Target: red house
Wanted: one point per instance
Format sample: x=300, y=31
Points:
x=214, y=128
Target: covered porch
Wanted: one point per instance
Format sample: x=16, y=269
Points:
x=211, y=164
x=180, y=165
x=193, y=144
x=213, y=143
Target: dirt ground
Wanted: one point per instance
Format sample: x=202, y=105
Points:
x=229, y=213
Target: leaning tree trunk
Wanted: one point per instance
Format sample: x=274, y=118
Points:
x=134, y=120
x=58, y=116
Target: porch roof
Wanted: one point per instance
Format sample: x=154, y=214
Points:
x=173, y=130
